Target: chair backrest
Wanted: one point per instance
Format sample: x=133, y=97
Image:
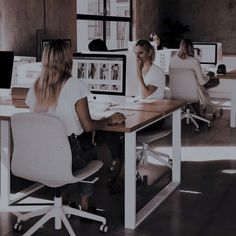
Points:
x=183, y=84
x=41, y=149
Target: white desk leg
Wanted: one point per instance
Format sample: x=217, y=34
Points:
x=130, y=180
x=5, y=164
x=233, y=109
x=176, y=143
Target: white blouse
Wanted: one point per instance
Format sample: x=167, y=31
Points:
x=72, y=91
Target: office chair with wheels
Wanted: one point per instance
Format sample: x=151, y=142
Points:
x=143, y=150
x=42, y=154
x=183, y=85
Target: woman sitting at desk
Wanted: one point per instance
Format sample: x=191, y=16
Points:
x=151, y=81
x=151, y=78
x=55, y=92
x=184, y=59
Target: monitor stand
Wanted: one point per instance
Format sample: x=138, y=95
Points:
x=102, y=98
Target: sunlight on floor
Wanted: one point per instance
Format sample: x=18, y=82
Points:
x=189, y=191
x=229, y=171
x=204, y=153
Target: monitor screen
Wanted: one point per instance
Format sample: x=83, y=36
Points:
x=103, y=73
x=6, y=65
x=206, y=52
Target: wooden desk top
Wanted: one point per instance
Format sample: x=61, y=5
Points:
x=161, y=106
x=143, y=113
x=229, y=75
x=135, y=121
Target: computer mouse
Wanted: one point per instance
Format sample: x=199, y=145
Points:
x=211, y=73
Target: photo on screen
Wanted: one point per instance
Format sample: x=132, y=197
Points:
x=93, y=70
x=115, y=71
x=104, y=71
x=82, y=70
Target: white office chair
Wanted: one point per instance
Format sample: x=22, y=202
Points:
x=183, y=85
x=42, y=154
x=143, y=150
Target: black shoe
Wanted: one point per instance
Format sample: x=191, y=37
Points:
x=117, y=186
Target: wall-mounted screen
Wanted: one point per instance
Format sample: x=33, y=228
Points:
x=206, y=52
x=103, y=73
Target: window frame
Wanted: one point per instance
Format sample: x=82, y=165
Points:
x=105, y=18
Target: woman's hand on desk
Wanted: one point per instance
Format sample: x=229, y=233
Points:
x=117, y=118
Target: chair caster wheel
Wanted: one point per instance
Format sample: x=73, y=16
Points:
x=197, y=130
x=209, y=125
x=18, y=227
x=103, y=228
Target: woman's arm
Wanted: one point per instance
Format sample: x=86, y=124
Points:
x=199, y=75
x=146, y=89
x=88, y=123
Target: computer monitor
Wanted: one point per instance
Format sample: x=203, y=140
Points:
x=206, y=52
x=6, y=65
x=28, y=73
x=104, y=73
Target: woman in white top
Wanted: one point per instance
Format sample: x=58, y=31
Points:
x=151, y=77
x=184, y=59
x=56, y=92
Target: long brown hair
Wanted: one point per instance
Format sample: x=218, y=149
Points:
x=186, y=49
x=56, y=69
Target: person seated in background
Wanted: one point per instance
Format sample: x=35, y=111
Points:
x=55, y=92
x=153, y=37
x=184, y=59
x=151, y=78
x=97, y=45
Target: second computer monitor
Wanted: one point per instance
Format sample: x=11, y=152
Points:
x=206, y=52
x=105, y=74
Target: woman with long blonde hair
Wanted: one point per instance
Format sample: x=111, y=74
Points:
x=184, y=59
x=56, y=92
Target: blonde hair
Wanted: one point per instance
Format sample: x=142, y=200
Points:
x=56, y=69
x=148, y=47
x=186, y=49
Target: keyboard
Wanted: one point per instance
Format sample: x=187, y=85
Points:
x=98, y=106
x=101, y=115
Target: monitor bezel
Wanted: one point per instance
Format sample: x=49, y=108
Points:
x=207, y=43
x=78, y=56
x=8, y=81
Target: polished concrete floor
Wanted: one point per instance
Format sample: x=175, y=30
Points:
x=203, y=205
